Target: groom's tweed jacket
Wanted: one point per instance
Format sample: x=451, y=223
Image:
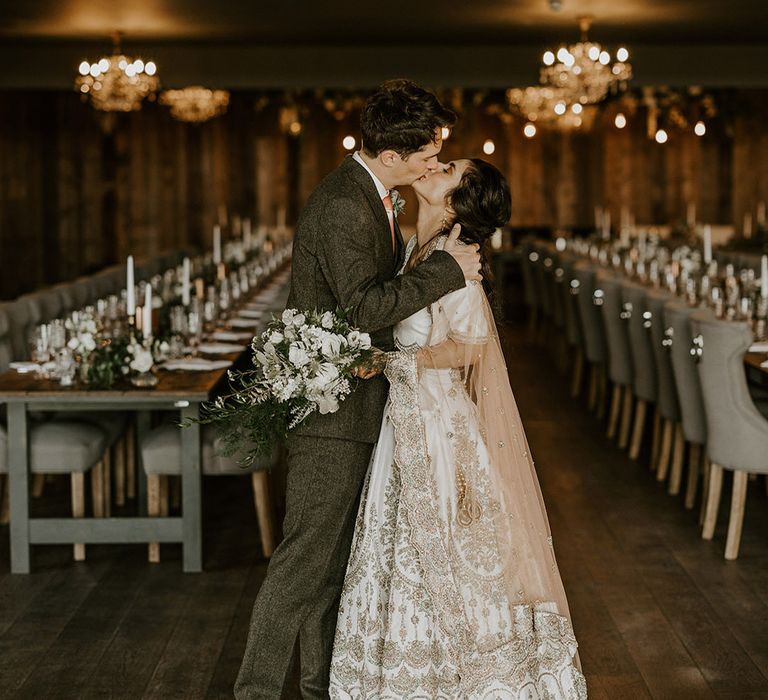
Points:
x=343, y=258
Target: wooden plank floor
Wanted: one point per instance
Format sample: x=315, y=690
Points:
x=657, y=611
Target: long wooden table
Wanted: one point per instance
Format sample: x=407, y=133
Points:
x=755, y=373
x=182, y=391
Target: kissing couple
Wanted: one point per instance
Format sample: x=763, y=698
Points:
x=417, y=560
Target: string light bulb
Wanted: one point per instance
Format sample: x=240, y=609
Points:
x=620, y=121
x=489, y=147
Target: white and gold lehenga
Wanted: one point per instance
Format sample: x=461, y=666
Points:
x=452, y=589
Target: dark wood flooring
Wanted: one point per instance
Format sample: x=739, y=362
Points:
x=657, y=611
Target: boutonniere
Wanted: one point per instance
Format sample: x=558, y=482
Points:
x=398, y=203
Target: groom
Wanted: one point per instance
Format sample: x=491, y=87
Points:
x=346, y=254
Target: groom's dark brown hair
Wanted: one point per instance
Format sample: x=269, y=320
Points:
x=402, y=117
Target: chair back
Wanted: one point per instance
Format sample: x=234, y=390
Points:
x=616, y=329
x=737, y=432
x=679, y=339
x=667, y=401
x=529, y=257
x=568, y=293
x=590, y=313
x=6, y=344
x=636, y=314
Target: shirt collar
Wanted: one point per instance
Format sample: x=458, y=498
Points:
x=383, y=191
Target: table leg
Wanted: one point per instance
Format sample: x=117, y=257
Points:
x=142, y=428
x=191, y=500
x=18, y=456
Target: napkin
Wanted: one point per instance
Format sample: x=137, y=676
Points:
x=195, y=364
x=230, y=336
x=24, y=367
x=759, y=347
x=219, y=348
x=244, y=322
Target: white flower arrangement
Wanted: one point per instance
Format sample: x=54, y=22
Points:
x=303, y=363
x=83, y=332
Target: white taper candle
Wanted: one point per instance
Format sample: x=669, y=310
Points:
x=764, y=277
x=707, y=244
x=146, y=326
x=185, y=282
x=130, y=287
x=216, y=244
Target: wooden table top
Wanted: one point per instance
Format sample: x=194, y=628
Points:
x=172, y=385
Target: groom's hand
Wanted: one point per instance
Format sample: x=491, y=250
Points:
x=467, y=256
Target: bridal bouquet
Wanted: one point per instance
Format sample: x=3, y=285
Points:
x=303, y=362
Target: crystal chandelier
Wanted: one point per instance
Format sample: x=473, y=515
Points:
x=117, y=83
x=547, y=105
x=585, y=72
x=195, y=104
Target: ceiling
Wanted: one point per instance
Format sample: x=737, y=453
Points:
x=394, y=22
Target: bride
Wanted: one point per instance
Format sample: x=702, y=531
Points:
x=452, y=589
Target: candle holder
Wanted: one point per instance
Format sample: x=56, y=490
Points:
x=144, y=380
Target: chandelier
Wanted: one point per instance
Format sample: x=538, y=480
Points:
x=585, y=72
x=117, y=83
x=195, y=104
x=548, y=105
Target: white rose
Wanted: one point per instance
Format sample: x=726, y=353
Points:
x=327, y=404
x=288, y=316
x=276, y=338
x=353, y=338
x=327, y=320
x=325, y=376
x=73, y=344
x=298, y=355
x=299, y=320
x=143, y=361
x=365, y=341
x=88, y=342
x=331, y=346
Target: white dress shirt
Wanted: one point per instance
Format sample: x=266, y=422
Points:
x=383, y=191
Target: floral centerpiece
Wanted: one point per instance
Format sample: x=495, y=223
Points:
x=103, y=360
x=304, y=362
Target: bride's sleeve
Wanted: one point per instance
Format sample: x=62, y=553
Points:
x=461, y=328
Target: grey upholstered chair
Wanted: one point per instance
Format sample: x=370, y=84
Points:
x=644, y=380
x=55, y=446
x=677, y=315
x=620, y=370
x=667, y=405
x=737, y=433
x=543, y=263
x=528, y=258
x=569, y=289
x=161, y=454
x=589, y=300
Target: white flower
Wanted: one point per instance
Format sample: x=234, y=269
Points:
x=88, y=342
x=325, y=377
x=327, y=404
x=327, y=320
x=332, y=345
x=353, y=338
x=298, y=355
x=276, y=338
x=288, y=316
x=142, y=361
x=398, y=203
x=365, y=341
x=299, y=320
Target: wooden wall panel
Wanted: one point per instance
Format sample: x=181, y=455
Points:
x=76, y=195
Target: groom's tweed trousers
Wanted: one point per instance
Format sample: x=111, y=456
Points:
x=342, y=258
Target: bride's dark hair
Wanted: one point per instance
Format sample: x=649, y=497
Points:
x=482, y=202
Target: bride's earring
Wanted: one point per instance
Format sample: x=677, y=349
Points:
x=444, y=221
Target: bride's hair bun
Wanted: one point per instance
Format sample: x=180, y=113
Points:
x=482, y=201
